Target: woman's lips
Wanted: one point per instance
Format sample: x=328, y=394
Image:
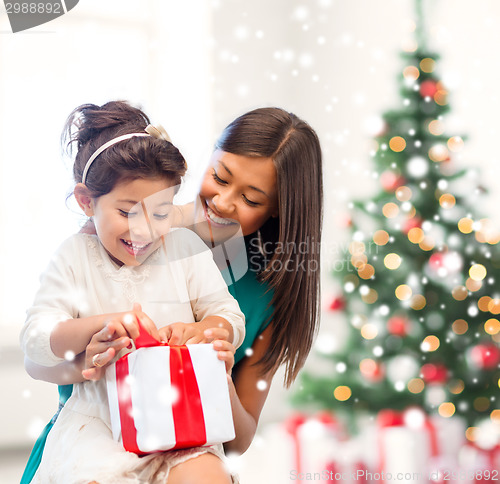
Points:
x=213, y=217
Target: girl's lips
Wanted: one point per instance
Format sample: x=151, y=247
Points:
x=135, y=249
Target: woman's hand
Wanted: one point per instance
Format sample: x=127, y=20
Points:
x=115, y=336
x=102, y=348
x=225, y=349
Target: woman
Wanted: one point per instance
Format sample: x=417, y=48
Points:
x=265, y=180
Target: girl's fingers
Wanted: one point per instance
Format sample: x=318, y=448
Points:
x=195, y=340
x=112, y=330
x=176, y=336
x=216, y=333
x=131, y=325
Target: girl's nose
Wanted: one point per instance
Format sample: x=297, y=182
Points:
x=141, y=228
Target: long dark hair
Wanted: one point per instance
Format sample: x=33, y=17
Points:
x=89, y=126
x=293, y=271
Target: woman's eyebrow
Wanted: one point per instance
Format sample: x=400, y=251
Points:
x=249, y=186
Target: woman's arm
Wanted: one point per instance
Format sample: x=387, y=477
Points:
x=65, y=373
x=248, y=394
x=182, y=215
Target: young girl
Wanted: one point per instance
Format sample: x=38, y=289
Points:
x=127, y=173
x=266, y=176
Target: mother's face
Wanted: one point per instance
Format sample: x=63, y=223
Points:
x=236, y=192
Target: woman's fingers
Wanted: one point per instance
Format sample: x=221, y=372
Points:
x=95, y=365
x=225, y=352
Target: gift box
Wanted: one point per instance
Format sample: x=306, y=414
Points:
x=169, y=397
x=407, y=443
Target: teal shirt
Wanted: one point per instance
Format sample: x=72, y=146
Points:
x=254, y=299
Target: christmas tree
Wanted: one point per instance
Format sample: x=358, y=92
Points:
x=420, y=279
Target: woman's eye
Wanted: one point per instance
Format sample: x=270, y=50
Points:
x=218, y=179
x=250, y=202
x=159, y=216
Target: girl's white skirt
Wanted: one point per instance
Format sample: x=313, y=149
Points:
x=80, y=449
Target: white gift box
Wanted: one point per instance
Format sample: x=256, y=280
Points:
x=163, y=398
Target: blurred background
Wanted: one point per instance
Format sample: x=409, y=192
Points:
x=194, y=66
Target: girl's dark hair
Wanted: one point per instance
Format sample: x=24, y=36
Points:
x=293, y=272
x=89, y=126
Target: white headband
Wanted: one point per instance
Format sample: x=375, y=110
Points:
x=154, y=131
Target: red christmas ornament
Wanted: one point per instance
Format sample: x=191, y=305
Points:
x=485, y=356
x=390, y=418
x=371, y=370
x=428, y=88
x=398, y=326
x=337, y=304
x=391, y=181
x=436, y=261
x=327, y=418
x=411, y=223
x=434, y=373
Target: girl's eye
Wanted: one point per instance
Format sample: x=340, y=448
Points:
x=159, y=216
x=218, y=179
x=249, y=202
x=123, y=213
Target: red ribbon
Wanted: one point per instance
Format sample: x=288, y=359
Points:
x=189, y=422
x=188, y=413
x=292, y=424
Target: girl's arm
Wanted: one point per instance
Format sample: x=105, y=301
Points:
x=75, y=334
x=248, y=394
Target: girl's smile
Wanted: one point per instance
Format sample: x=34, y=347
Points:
x=131, y=219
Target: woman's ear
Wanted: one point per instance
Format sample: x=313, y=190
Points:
x=82, y=195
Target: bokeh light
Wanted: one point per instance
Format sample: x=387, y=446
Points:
x=381, y=237
x=460, y=326
x=477, y=272
x=392, y=261
x=342, y=393
x=430, y=343
x=403, y=292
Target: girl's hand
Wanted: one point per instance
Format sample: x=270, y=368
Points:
x=102, y=348
x=129, y=323
x=191, y=333
x=180, y=334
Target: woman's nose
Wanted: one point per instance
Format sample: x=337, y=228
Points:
x=224, y=203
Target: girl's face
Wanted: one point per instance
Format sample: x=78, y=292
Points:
x=131, y=218
x=237, y=192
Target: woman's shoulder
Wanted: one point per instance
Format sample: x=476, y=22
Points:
x=184, y=242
